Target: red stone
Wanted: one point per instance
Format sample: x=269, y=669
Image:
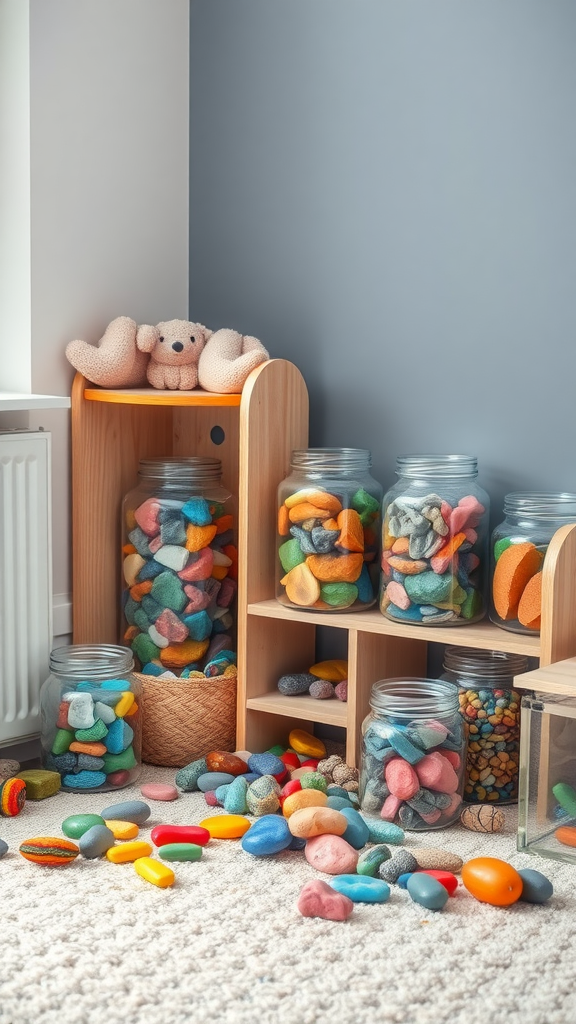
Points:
x=446, y=878
x=291, y=787
x=318, y=899
x=222, y=761
x=290, y=760
x=62, y=720
x=162, y=834
x=312, y=762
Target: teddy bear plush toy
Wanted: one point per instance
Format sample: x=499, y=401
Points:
x=174, y=355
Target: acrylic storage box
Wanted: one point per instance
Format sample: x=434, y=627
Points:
x=547, y=787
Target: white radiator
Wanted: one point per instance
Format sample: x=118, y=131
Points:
x=25, y=580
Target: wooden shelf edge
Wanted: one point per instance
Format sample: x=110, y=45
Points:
x=151, y=396
x=328, y=712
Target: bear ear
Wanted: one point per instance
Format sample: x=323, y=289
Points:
x=206, y=332
x=146, y=337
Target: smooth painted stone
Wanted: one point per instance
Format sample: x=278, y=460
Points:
x=95, y=841
x=446, y=878
x=315, y=821
x=127, y=852
x=3, y=848
x=303, y=798
x=370, y=860
x=81, y=710
x=427, y=891
x=266, y=764
x=268, y=835
x=119, y=737
x=180, y=851
x=152, y=871
x=77, y=824
x=40, y=783
x=211, y=780
x=402, y=880
x=439, y=860
x=159, y=791
x=305, y=743
x=361, y=889
x=297, y=844
x=338, y=802
x=163, y=834
x=84, y=780
x=384, y=831
x=187, y=778
x=122, y=829
x=226, y=826
x=229, y=764
x=235, y=797
x=263, y=796
x=129, y=810
x=331, y=854
x=357, y=832
x=318, y=899
x=536, y=888
x=51, y=850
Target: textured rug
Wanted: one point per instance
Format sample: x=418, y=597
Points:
x=93, y=943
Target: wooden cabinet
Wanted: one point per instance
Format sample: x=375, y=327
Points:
x=113, y=430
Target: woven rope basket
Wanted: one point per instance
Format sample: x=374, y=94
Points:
x=183, y=719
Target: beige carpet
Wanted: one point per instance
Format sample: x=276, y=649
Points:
x=92, y=943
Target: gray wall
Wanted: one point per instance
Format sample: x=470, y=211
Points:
x=384, y=191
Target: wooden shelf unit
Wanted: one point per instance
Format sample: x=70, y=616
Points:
x=113, y=430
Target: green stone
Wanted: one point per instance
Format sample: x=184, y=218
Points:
x=167, y=590
x=339, y=595
x=365, y=504
x=77, y=824
x=130, y=608
x=371, y=859
x=180, y=851
x=62, y=741
x=144, y=648
x=472, y=605
x=118, y=762
x=566, y=797
x=458, y=595
x=429, y=587
x=40, y=783
x=277, y=749
x=314, y=780
x=141, y=620
x=188, y=776
x=96, y=732
x=501, y=546
x=151, y=607
x=290, y=554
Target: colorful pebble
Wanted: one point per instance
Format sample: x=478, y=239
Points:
x=122, y=829
x=493, y=881
x=136, y=811
x=77, y=824
x=196, y=834
x=226, y=826
x=267, y=836
x=318, y=899
x=12, y=797
x=536, y=888
x=127, y=852
x=95, y=841
x=305, y=743
x=159, y=791
x=180, y=852
x=427, y=891
x=152, y=871
x=361, y=889
x=49, y=850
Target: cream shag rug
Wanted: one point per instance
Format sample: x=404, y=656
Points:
x=93, y=943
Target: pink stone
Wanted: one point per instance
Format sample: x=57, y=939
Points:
x=210, y=798
x=155, y=544
x=453, y=805
x=170, y=626
x=119, y=778
x=471, y=536
x=159, y=791
x=467, y=513
x=431, y=816
x=398, y=596
x=331, y=854
x=341, y=689
x=390, y=808
x=199, y=566
x=401, y=779
x=453, y=757
x=199, y=599
x=146, y=515
x=435, y=772
x=227, y=592
x=318, y=899
x=446, y=512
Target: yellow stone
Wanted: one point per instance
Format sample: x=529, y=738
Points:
x=303, y=798
x=122, y=829
x=305, y=743
x=317, y=821
x=321, y=499
x=128, y=851
x=226, y=826
x=302, y=588
x=155, y=872
x=334, y=670
x=180, y=655
x=131, y=567
x=124, y=704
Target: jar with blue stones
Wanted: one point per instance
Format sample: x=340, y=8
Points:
x=328, y=531
x=180, y=568
x=435, y=542
x=91, y=717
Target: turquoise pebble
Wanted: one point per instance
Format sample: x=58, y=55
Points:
x=119, y=737
x=122, y=685
x=199, y=625
x=364, y=585
x=136, y=811
x=384, y=831
x=536, y=888
x=3, y=848
x=411, y=614
x=357, y=832
x=95, y=841
x=338, y=802
x=427, y=891
x=197, y=511
x=210, y=781
x=187, y=778
x=84, y=780
x=361, y=888
x=402, y=745
x=235, y=798
x=150, y=669
x=167, y=589
x=220, y=793
x=402, y=881
x=334, y=790
x=371, y=859
x=180, y=851
x=77, y=824
x=268, y=835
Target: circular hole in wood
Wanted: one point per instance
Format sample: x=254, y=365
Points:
x=217, y=435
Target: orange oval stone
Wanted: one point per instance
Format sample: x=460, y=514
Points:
x=222, y=761
x=303, y=798
x=227, y=826
x=317, y=821
x=493, y=881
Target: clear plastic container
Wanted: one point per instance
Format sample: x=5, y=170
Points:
x=413, y=753
x=490, y=708
x=180, y=568
x=435, y=542
x=91, y=714
x=328, y=531
x=517, y=552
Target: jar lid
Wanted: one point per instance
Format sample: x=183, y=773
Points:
x=493, y=667
x=408, y=697
x=542, y=505
x=174, y=470
x=85, y=661
x=324, y=460
x=445, y=466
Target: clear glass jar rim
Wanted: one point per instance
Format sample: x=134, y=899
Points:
x=543, y=505
x=79, y=661
x=475, y=663
x=414, y=697
x=174, y=469
x=325, y=459
x=436, y=465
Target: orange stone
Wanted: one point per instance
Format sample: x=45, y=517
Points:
x=303, y=798
x=139, y=589
x=515, y=567
x=128, y=549
x=530, y=604
x=566, y=835
x=305, y=510
x=198, y=537
x=351, y=531
x=180, y=655
x=232, y=552
x=335, y=568
x=406, y=565
x=224, y=523
x=317, y=821
x=222, y=761
x=283, y=521
x=95, y=749
x=320, y=499
x=302, y=587
x=219, y=571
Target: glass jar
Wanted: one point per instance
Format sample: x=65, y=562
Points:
x=328, y=531
x=413, y=753
x=490, y=709
x=90, y=708
x=435, y=542
x=180, y=568
x=517, y=552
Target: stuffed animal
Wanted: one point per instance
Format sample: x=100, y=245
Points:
x=176, y=354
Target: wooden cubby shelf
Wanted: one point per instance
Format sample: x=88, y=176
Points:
x=112, y=430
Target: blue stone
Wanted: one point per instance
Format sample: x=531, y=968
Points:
x=86, y=762
x=266, y=764
x=96, y=841
x=411, y=614
x=536, y=888
x=384, y=831
x=120, y=736
x=199, y=625
x=357, y=833
x=337, y=803
x=3, y=848
x=402, y=745
x=297, y=843
x=139, y=539
x=150, y=669
x=334, y=790
x=148, y=571
x=197, y=511
x=65, y=762
x=84, y=780
x=136, y=811
x=268, y=835
x=249, y=776
x=361, y=888
x=235, y=798
x=121, y=685
x=402, y=881
x=220, y=793
x=427, y=891
x=209, y=781
x=364, y=585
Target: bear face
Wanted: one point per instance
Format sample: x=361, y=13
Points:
x=177, y=343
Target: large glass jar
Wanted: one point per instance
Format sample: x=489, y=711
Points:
x=517, y=552
x=328, y=531
x=413, y=753
x=490, y=709
x=435, y=542
x=180, y=568
x=90, y=708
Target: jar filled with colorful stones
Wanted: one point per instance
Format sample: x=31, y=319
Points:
x=180, y=568
x=413, y=753
x=435, y=542
x=329, y=531
x=518, y=547
x=90, y=708
x=490, y=709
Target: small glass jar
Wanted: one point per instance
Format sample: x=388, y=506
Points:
x=413, y=753
x=180, y=568
x=490, y=709
x=517, y=552
x=435, y=542
x=90, y=707
x=328, y=531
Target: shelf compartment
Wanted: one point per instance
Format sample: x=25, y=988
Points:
x=307, y=709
